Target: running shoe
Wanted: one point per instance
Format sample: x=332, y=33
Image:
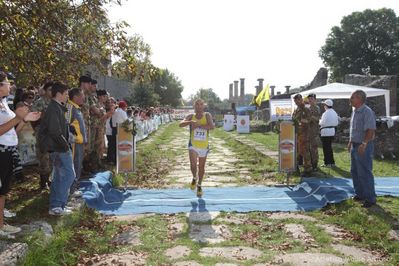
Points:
x=9, y=229
x=193, y=183
x=9, y=214
x=199, y=191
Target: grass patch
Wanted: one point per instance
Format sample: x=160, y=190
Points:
x=75, y=237
x=369, y=227
x=388, y=167
x=153, y=162
x=262, y=168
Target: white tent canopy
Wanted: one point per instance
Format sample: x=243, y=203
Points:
x=344, y=91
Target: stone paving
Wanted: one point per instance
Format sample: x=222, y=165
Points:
x=214, y=231
x=221, y=165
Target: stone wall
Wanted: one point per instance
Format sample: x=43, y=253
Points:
x=319, y=80
x=381, y=82
x=344, y=109
x=386, y=139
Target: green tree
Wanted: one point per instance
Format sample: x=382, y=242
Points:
x=208, y=95
x=144, y=95
x=59, y=38
x=366, y=42
x=169, y=88
x=134, y=62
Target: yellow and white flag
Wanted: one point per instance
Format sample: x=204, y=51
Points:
x=263, y=95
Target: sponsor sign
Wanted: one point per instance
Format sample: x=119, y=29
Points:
x=287, y=147
x=280, y=109
x=242, y=124
x=27, y=145
x=125, y=151
x=228, y=122
x=180, y=114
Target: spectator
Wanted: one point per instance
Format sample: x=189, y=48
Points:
x=328, y=122
x=9, y=156
x=111, y=137
x=314, y=130
x=118, y=117
x=301, y=118
x=99, y=129
x=77, y=132
x=54, y=139
x=27, y=98
x=40, y=105
x=361, y=147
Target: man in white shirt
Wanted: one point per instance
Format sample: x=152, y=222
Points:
x=328, y=122
x=118, y=117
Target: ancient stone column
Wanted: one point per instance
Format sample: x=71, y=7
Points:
x=287, y=89
x=235, y=90
x=260, y=87
x=242, y=90
x=231, y=92
x=257, y=90
x=272, y=90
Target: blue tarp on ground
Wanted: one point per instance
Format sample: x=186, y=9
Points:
x=311, y=194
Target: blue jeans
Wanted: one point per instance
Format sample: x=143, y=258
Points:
x=63, y=177
x=362, y=172
x=78, y=159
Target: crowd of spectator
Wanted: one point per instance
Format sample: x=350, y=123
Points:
x=71, y=127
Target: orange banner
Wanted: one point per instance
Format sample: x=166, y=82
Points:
x=125, y=151
x=287, y=150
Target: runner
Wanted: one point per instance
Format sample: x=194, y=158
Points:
x=200, y=123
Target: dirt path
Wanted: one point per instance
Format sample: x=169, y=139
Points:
x=225, y=239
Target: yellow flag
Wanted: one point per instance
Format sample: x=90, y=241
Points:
x=263, y=95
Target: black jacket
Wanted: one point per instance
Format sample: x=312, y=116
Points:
x=53, y=134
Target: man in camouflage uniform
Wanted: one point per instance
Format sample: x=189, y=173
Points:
x=301, y=118
x=314, y=131
x=40, y=105
x=98, y=139
x=85, y=86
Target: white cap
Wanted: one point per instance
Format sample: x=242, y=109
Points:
x=328, y=102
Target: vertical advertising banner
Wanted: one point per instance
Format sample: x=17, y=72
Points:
x=27, y=145
x=242, y=123
x=280, y=109
x=125, y=151
x=287, y=148
x=228, y=122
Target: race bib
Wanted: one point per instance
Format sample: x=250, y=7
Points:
x=200, y=134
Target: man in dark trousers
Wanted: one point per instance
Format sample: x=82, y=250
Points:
x=361, y=148
x=54, y=134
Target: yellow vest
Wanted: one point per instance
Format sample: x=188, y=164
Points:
x=75, y=123
x=199, y=137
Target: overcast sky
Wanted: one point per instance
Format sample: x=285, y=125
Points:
x=211, y=43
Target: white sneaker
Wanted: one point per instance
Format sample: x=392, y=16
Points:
x=58, y=211
x=9, y=229
x=9, y=214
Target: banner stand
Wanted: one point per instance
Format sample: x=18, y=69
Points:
x=125, y=151
x=287, y=149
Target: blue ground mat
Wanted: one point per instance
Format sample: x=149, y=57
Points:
x=311, y=194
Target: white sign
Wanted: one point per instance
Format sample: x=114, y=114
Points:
x=180, y=114
x=280, y=109
x=242, y=123
x=228, y=122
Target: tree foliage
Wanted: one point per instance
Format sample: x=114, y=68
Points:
x=134, y=62
x=60, y=38
x=169, y=88
x=366, y=42
x=144, y=95
x=208, y=95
